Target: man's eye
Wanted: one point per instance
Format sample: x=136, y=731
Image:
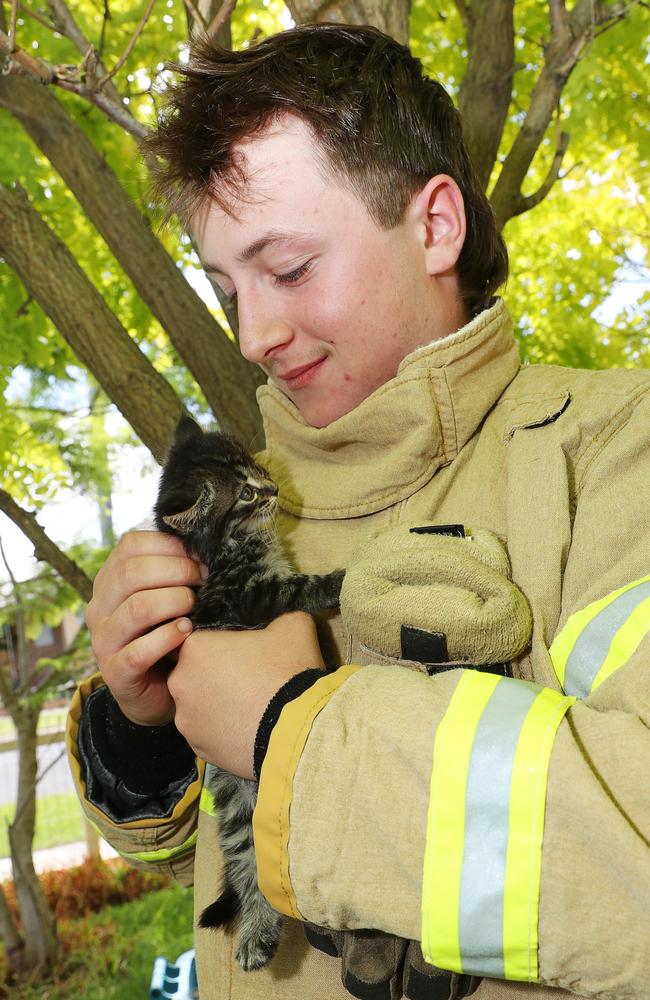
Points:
x=291, y=277
x=246, y=493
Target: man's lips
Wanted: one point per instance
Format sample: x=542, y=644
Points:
x=295, y=378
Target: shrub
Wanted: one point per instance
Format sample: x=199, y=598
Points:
x=74, y=892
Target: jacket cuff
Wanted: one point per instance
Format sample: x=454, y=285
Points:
x=271, y=816
x=144, y=758
x=294, y=687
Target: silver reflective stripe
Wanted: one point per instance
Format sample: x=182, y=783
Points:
x=592, y=645
x=487, y=825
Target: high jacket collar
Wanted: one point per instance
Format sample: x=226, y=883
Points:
x=390, y=445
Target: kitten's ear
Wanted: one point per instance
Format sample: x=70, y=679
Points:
x=185, y=520
x=187, y=430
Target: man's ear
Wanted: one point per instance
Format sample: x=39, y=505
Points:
x=439, y=214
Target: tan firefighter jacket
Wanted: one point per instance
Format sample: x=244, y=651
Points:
x=502, y=822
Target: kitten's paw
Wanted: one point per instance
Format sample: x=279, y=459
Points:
x=253, y=955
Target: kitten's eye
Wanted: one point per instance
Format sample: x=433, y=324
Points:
x=247, y=493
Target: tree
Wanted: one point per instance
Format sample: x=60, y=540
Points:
x=33, y=948
x=512, y=113
x=551, y=100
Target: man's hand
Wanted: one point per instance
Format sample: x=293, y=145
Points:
x=223, y=682
x=137, y=617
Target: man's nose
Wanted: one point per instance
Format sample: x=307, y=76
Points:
x=261, y=336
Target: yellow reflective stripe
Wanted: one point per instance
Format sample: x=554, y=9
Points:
x=163, y=853
x=443, y=856
x=524, y=858
x=207, y=803
x=580, y=652
x=625, y=642
x=482, y=860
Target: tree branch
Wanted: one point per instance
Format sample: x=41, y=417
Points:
x=530, y=201
x=196, y=15
x=24, y=9
x=226, y=379
x=486, y=88
x=220, y=18
x=559, y=21
x=127, y=52
x=12, y=25
x=52, y=275
x=570, y=35
x=18, y=61
x=45, y=549
x=68, y=78
x=67, y=26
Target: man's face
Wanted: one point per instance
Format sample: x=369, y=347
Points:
x=329, y=303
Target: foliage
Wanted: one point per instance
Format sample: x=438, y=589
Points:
x=570, y=253
x=87, y=888
x=46, y=598
x=577, y=250
x=109, y=955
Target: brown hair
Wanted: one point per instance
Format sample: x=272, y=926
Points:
x=382, y=126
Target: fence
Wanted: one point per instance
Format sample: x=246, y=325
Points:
x=59, y=819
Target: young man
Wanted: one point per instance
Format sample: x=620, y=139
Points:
x=486, y=810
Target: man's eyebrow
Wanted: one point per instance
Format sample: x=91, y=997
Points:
x=273, y=237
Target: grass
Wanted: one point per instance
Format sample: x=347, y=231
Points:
x=58, y=821
x=109, y=955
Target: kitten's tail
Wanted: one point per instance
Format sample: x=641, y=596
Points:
x=223, y=912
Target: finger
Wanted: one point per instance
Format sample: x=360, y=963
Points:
x=132, y=663
x=143, y=543
x=140, y=543
x=138, y=573
x=140, y=613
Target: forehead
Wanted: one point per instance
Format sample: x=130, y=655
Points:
x=287, y=185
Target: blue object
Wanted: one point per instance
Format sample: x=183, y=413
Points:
x=174, y=981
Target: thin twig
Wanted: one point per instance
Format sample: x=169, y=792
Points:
x=12, y=25
x=105, y=20
x=24, y=9
x=67, y=77
x=19, y=61
x=220, y=18
x=196, y=15
x=92, y=63
x=530, y=201
x=127, y=52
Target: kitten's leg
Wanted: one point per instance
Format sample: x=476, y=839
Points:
x=259, y=925
x=298, y=592
x=235, y=800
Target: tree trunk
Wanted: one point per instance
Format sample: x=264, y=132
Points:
x=39, y=923
x=35, y=950
x=14, y=944
x=486, y=89
x=226, y=379
x=52, y=276
x=390, y=16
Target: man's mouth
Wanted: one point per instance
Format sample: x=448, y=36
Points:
x=296, y=378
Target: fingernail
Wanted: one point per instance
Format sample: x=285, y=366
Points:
x=205, y=572
x=184, y=625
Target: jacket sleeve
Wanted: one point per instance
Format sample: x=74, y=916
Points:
x=151, y=833
x=500, y=823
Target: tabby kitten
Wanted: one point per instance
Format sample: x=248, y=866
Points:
x=222, y=503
